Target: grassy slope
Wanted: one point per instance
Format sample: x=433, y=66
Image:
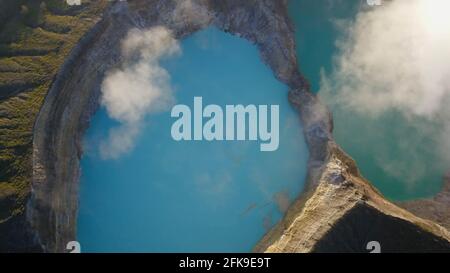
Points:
x=34, y=41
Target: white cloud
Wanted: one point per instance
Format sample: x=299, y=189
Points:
x=141, y=86
x=396, y=59
x=393, y=57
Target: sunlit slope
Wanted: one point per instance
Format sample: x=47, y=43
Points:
x=35, y=38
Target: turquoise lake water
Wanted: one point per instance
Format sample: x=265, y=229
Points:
x=194, y=196
x=316, y=33
x=390, y=152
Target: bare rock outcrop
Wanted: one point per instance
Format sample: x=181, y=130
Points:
x=344, y=213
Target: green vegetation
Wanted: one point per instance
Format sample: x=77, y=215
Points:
x=35, y=38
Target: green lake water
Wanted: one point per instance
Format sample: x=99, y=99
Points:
x=389, y=150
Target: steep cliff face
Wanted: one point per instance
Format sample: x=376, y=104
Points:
x=35, y=38
x=365, y=223
x=335, y=188
x=343, y=213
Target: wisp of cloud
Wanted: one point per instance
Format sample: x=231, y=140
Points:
x=139, y=87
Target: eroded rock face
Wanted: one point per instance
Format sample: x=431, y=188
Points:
x=364, y=223
x=343, y=213
x=334, y=186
